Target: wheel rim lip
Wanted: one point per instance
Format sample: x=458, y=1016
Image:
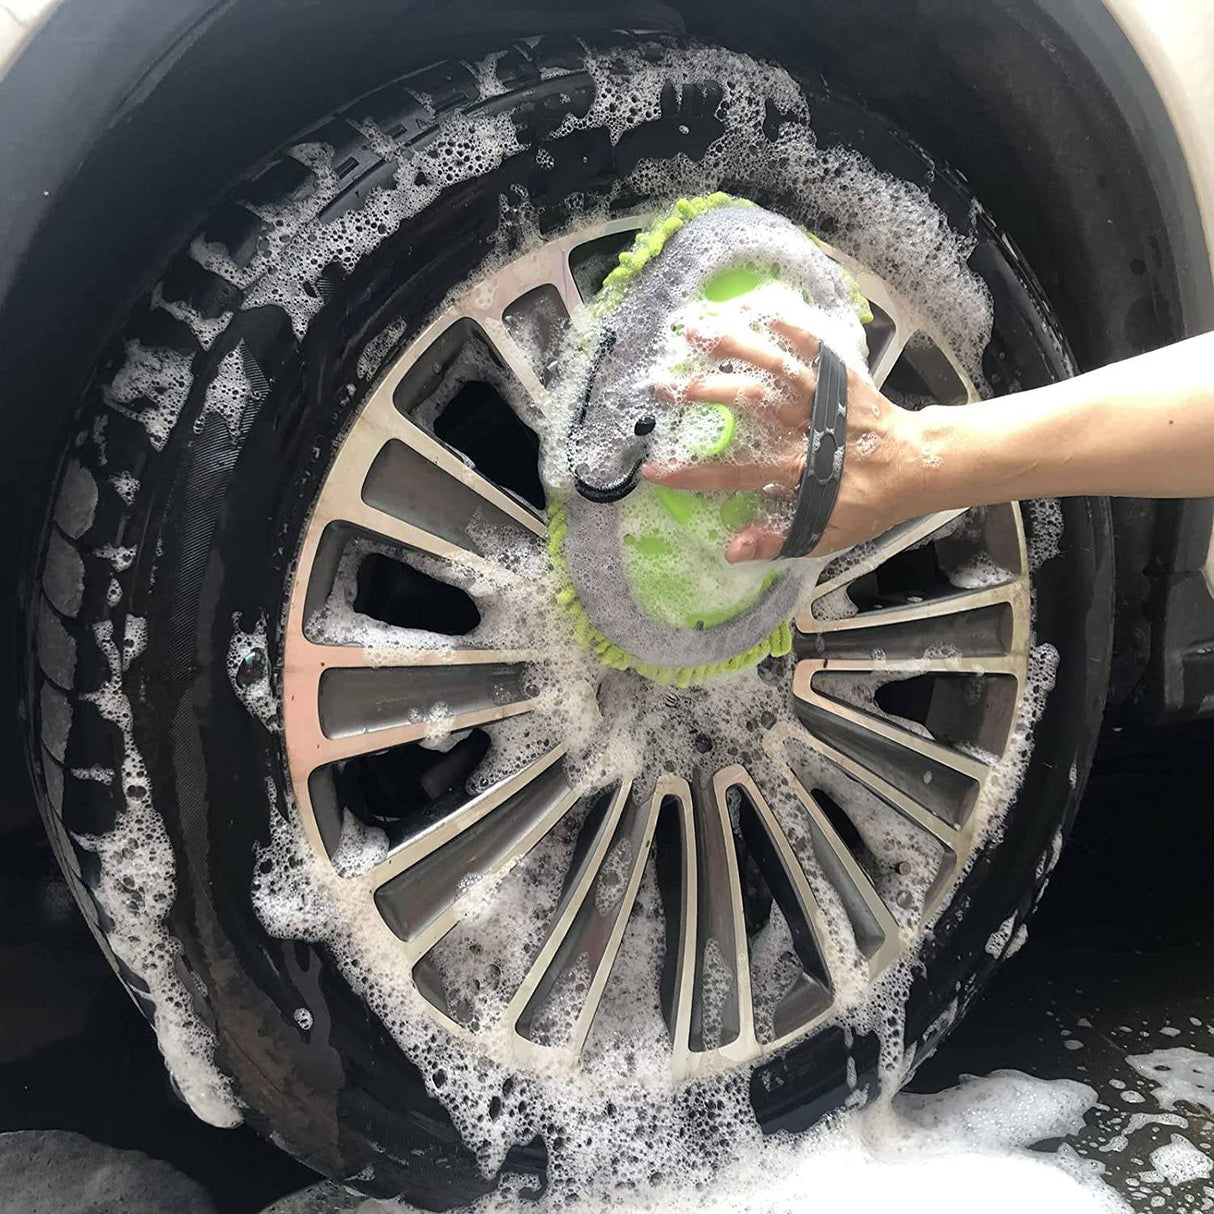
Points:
x=374, y=424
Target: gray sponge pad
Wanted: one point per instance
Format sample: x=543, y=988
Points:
x=615, y=385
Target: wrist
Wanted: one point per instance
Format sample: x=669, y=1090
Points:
x=940, y=463
x=925, y=464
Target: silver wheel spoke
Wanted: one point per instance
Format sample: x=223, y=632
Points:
x=381, y=523
x=877, y=552
x=425, y=886
x=896, y=321
x=683, y=962
x=575, y=961
x=1005, y=664
x=936, y=755
x=315, y=659
x=930, y=784
x=874, y=928
x=424, y=447
x=542, y=276
x=918, y=613
x=710, y=1018
x=968, y=632
x=909, y=807
x=395, y=468
x=809, y=999
x=951, y=837
x=366, y=709
x=891, y=347
x=517, y=361
x=350, y=700
x=394, y=480
x=720, y=1017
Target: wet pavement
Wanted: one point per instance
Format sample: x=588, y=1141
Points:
x=1119, y=963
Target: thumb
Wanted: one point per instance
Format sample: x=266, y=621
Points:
x=757, y=543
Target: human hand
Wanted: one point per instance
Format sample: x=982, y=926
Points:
x=771, y=375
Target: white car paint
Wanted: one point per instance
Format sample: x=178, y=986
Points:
x=1175, y=41
x=18, y=21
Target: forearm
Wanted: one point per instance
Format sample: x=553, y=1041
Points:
x=1140, y=428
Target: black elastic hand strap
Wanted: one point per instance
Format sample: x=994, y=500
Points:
x=826, y=445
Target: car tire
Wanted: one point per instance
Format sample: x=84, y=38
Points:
x=175, y=522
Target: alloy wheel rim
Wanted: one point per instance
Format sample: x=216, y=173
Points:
x=396, y=481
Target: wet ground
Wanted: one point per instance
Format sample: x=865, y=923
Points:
x=1120, y=957
x=1119, y=962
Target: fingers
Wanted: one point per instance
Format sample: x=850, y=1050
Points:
x=740, y=391
x=716, y=475
x=802, y=340
x=722, y=389
x=765, y=355
x=790, y=407
x=757, y=543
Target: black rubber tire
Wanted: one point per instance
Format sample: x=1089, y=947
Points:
x=209, y=535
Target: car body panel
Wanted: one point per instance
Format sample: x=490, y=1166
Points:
x=1175, y=43
x=19, y=21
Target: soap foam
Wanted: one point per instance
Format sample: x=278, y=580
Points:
x=136, y=890
x=60, y=1171
x=1138, y=1121
x=126, y=486
x=1181, y=1074
x=1179, y=1161
x=159, y=381
x=1001, y=936
x=248, y=667
x=918, y=1154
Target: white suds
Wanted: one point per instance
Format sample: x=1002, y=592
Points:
x=1045, y=542
x=1180, y=1074
x=229, y=392
x=205, y=330
x=917, y=1153
x=136, y=889
x=1179, y=1161
x=998, y=940
x=249, y=672
x=159, y=381
x=119, y=555
x=126, y=486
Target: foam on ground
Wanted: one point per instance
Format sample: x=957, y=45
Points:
x=919, y=1154
x=1179, y=1161
x=1180, y=1074
x=62, y=1172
